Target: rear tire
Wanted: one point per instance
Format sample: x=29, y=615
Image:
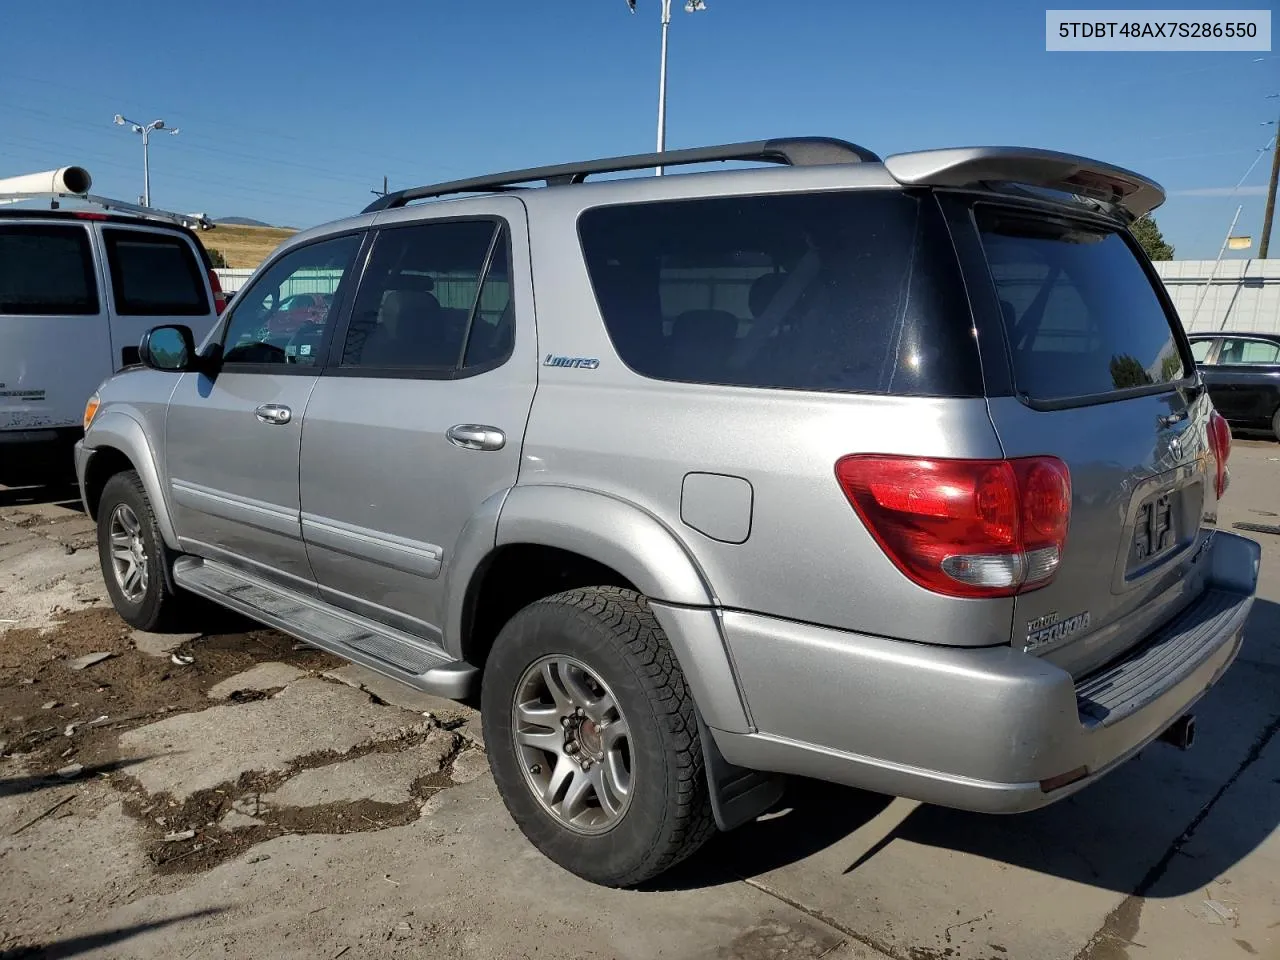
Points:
x=136, y=564
x=648, y=806
x=1275, y=424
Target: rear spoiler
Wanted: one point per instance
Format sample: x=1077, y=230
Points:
x=1121, y=193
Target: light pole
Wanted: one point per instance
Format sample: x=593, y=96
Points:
x=691, y=6
x=145, y=131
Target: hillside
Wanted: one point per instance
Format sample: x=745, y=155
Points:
x=241, y=221
x=244, y=246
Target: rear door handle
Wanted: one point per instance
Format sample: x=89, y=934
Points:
x=476, y=436
x=276, y=413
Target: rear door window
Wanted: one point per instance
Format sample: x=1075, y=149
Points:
x=1249, y=351
x=850, y=291
x=46, y=270
x=433, y=301
x=155, y=274
x=1081, y=316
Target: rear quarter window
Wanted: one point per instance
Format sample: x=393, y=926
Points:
x=1081, y=316
x=155, y=274
x=850, y=291
x=46, y=271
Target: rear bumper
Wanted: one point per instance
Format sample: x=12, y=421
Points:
x=36, y=456
x=976, y=729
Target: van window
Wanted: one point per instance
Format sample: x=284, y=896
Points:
x=1081, y=316
x=155, y=274
x=46, y=270
x=853, y=291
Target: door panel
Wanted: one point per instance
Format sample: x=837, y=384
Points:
x=440, y=336
x=154, y=276
x=1249, y=375
x=55, y=342
x=232, y=439
x=385, y=494
x=233, y=477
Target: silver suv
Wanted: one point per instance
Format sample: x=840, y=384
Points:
x=894, y=473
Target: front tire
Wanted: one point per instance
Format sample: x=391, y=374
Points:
x=135, y=562
x=592, y=737
x=1275, y=424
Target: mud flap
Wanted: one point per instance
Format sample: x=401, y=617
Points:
x=738, y=795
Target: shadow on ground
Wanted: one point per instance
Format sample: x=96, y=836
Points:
x=75, y=946
x=1119, y=834
x=15, y=786
x=60, y=495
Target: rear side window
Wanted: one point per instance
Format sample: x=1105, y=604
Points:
x=46, y=271
x=1249, y=351
x=1200, y=350
x=1080, y=314
x=154, y=274
x=853, y=291
x=435, y=298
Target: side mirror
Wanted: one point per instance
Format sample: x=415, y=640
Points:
x=171, y=348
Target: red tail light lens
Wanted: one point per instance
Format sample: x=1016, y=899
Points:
x=1220, y=444
x=965, y=528
x=219, y=298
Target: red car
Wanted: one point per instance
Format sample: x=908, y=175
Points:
x=296, y=310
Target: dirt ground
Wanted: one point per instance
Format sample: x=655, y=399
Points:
x=231, y=793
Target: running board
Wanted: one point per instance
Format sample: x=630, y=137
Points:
x=371, y=644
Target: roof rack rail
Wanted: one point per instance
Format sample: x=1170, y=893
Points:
x=195, y=221
x=793, y=151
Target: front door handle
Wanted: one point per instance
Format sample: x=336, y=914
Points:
x=274, y=413
x=476, y=436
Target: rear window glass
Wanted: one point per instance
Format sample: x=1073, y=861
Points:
x=154, y=274
x=1081, y=316
x=851, y=291
x=46, y=271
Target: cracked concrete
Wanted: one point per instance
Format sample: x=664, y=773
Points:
x=380, y=777
x=265, y=676
x=197, y=751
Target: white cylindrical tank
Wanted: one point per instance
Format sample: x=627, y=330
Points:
x=62, y=180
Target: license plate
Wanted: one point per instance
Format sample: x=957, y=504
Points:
x=1154, y=533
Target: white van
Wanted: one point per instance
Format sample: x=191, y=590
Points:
x=78, y=288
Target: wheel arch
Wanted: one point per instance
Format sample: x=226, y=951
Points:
x=549, y=539
x=116, y=442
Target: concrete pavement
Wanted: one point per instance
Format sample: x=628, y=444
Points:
x=359, y=820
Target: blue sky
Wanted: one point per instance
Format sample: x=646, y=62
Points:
x=290, y=112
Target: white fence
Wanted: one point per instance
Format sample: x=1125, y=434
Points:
x=1243, y=294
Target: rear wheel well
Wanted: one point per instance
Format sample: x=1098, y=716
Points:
x=514, y=576
x=105, y=463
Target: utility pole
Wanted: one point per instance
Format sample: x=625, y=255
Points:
x=145, y=131
x=1271, y=192
x=383, y=192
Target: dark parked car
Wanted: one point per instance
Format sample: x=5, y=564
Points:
x=1242, y=371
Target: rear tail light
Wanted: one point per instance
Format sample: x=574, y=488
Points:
x=964, y=528
x=219, y=298
x=1220, y=444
